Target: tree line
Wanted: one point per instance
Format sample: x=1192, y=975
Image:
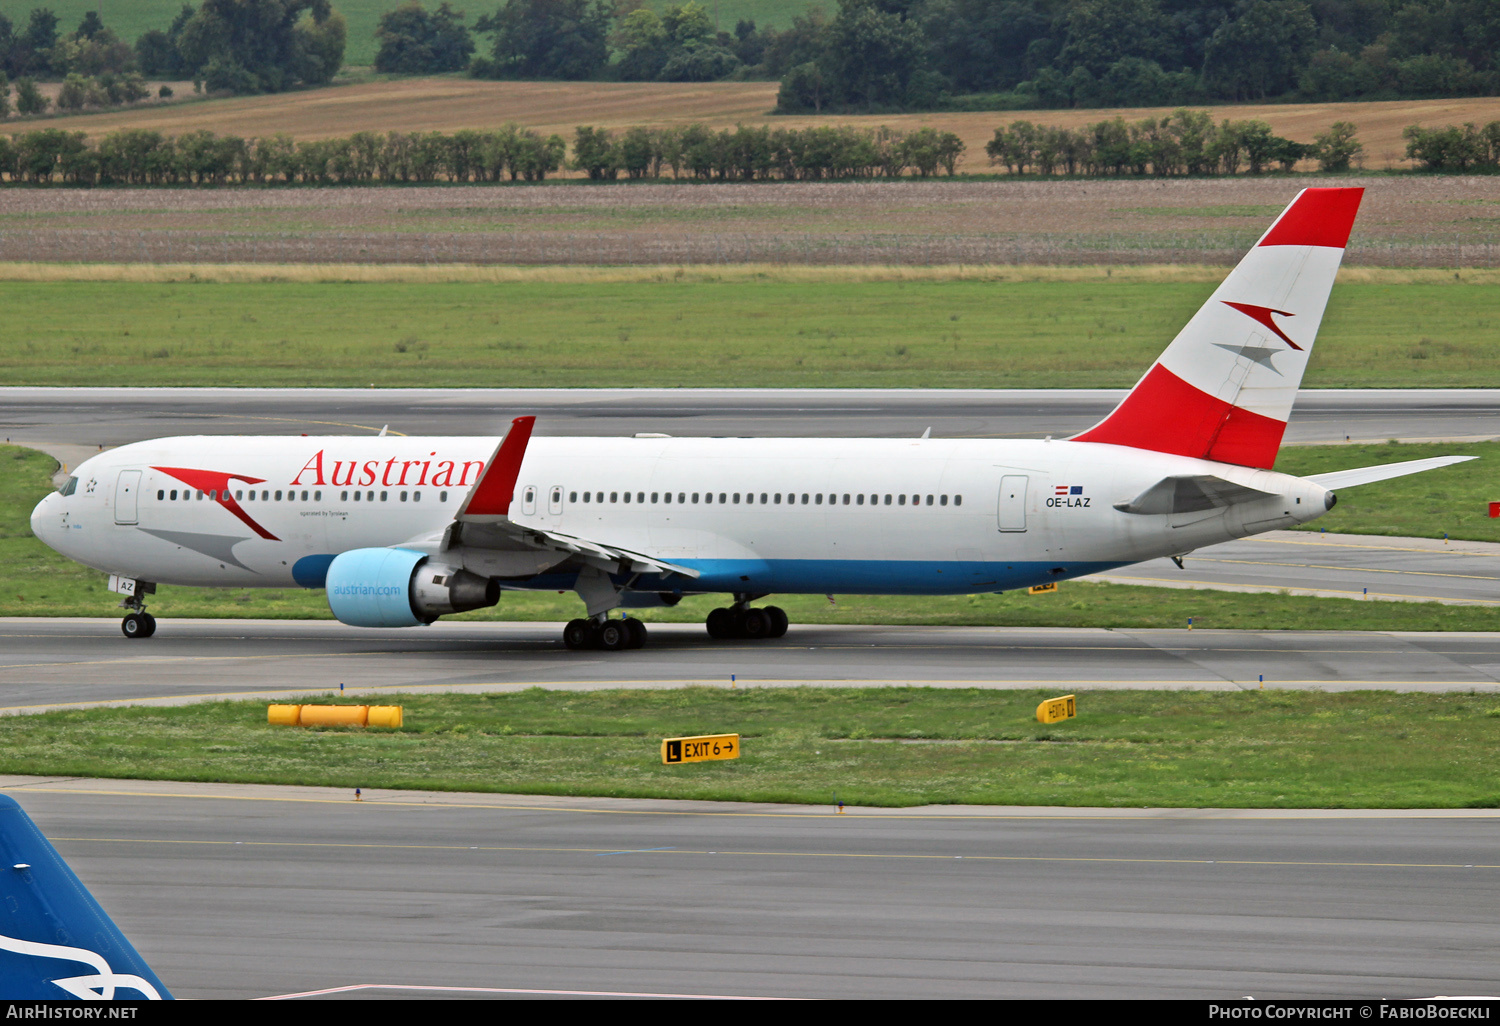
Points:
x=1185, y=142
x=1465, y=147
x=512, y=153
x=868, y=55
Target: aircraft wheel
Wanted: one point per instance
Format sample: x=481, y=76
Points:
x=134, y=626
x=577, y=634
x=613, y=635
x=754, y=623
x=150, y=624
x=779, y=621
x=720, y=623
x=637, y=633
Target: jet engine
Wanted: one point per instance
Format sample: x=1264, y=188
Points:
x=402, y=588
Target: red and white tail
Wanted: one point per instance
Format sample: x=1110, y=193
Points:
x=1224, y=388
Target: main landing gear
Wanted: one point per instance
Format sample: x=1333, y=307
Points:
x=604, y=635
x=740, y=621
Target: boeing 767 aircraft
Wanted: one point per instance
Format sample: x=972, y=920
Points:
x=401, y=531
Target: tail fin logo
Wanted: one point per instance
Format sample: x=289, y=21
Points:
x=1262, y=315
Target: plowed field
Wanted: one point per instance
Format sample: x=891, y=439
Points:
x=449, y=104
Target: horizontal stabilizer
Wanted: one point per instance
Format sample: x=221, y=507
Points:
x=1190, y=494
x=1369, y=475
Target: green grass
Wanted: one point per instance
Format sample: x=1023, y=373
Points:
x=699, y=330
x=868, y=746
x=35, y=581
x=128, y=19
x=1450, y=500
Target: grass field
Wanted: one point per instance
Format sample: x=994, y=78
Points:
x=670, y=328
x=877, y=746
x=450, y=103
x=35, y=581
x=1406, y=221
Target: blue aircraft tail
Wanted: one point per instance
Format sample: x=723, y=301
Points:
x=56, y=942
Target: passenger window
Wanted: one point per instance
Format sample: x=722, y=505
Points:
x=161, y=493
x=818, y=499
x=627, y=496
x=573, y=496
x=403, y=496
x=929, y=500
x=317, y=496
x=901, y=500
x=382, y=496
x=415, y=496
x=695, y=498
x=442, y=496
x=174, y=494
x=369, y=496
x=804, y=498
x=721, y=497
x=958, y=500
x=614, y=496
x=736, y=498
x=708, y=496
x=344, y=496
x=942, y=500
x=762, y=498
x=356, y=496
x=640, y=496
x=846, y=498
x=777, y=498
x=654, y=498
x=278, y=495
x=666, y=497
x=682, y=497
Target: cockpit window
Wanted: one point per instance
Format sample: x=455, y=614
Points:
x=69, y=486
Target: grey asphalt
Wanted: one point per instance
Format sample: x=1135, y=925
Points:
x=1353, y=566
x=51, y=663
x=243, y=892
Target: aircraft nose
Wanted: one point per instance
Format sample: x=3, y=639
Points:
x=44, y=519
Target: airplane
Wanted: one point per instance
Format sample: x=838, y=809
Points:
x=401, y=531
x=56, y=942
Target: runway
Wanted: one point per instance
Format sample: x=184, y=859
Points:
x=52, y=663
x=236, y=891
x=73, y=422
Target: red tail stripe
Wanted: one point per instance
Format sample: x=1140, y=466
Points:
x=497, y=488
x=1319, y=217
x=1166, y=414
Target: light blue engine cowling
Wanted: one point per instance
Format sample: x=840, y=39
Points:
x=401, y=588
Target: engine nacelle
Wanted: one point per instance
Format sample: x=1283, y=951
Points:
x=401, y=588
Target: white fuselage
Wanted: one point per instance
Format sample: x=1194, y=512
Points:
x=751, y=515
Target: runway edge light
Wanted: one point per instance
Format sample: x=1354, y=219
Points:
x=1055, y=710
x=701, y=748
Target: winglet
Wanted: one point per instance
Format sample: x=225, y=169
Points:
x=496, y=487
x=57, y=942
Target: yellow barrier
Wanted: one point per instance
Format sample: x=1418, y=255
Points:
x=1054, y=710
x=334, y=716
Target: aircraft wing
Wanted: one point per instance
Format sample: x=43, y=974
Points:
x=57, y=942
x=483, y=522
x=1190, y=493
